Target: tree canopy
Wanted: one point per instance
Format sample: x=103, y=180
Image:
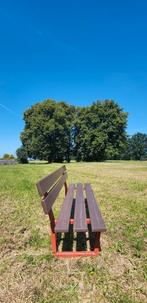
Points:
x=47, y=133
x=100, y=131
x=57, y=131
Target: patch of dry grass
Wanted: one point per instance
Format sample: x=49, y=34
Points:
x=29, y=272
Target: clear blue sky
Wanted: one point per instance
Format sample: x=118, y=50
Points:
x=77, y=51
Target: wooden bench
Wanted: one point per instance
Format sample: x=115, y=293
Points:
x=79, y=210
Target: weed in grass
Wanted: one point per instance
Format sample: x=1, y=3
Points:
x=37, y=259
x=138, y=245
x=30, y=259
x=120, y=247
x=36, y=240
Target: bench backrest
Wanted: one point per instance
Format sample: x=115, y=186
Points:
x=50, y=186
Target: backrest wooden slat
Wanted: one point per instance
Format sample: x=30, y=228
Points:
x=52, y=195
x=47, y=182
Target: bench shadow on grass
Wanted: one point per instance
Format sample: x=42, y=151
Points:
x=79, y=241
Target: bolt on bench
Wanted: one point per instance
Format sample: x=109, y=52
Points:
x=79, y=211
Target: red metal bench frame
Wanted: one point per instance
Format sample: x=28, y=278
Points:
x=53, y=221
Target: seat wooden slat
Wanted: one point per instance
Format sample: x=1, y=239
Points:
x=97, y=222
x=80, y=211
x=52, y=195
x=47, y=182
x=63, y=221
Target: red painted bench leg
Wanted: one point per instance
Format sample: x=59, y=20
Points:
x=53, y=235
x=97, y=247
x=52, y=224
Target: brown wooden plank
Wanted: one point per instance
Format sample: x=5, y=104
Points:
x=63, y=221
x=52, y=195
x=97, y=222
x=80, y=212
x=47, y=182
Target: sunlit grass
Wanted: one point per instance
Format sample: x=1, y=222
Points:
x=29, y=272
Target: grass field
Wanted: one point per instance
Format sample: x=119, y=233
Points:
x=29, y=272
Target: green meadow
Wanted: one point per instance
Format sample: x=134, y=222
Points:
x=30, y=274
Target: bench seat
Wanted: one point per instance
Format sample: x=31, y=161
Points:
x=83, y=200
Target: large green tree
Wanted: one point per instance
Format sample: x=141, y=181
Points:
x=99, y=131
x=47, y=132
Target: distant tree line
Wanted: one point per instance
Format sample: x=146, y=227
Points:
x=57, y=132
x=7, y=157
x=135, y=147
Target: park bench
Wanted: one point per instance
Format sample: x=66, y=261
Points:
x=79, y=214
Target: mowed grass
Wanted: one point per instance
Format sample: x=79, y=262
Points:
x=29, y=272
